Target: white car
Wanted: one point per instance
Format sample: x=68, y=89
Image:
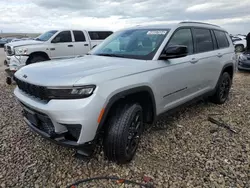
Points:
x=54, y=44
x=239, y=42
x=124, y=83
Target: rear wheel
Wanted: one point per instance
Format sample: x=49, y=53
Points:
x=222, y=89
x=123, y=134
x=36, y=59
x=239, y=48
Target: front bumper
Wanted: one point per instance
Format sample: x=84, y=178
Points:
x=16, y=62
x=63, y=116
x=244, y=65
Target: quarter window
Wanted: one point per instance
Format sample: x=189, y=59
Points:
x=183, y=37
x=79, y=36
x=221, y=39
x=203, y=40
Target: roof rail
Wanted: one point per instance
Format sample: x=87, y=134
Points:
x=199, y=23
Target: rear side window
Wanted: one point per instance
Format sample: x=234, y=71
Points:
x=203, y=40
x=79, y=36
x=183, y=37
x=221, y=39
x=99, y=35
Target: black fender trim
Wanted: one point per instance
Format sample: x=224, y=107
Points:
x=226, y=66
x=123, y=94
x=222, y=71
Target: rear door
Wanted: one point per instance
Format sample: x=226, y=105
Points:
x=81, y=43
x=62, y=46
x=97, y=37
x=207, y=64
x=225, y=50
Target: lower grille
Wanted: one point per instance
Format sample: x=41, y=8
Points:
x=40, y=120
x=31, y=89
x=245, y=65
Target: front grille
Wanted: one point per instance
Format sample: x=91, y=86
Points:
x=39, y=92
x=9, y=50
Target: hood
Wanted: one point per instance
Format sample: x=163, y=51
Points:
x=88, y=68
x=25, y=42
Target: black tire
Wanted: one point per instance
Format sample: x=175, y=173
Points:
x=36, y=59
x=222, y=89
x=123, y=134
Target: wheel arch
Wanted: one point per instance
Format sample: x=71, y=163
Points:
x=38, y=53
x=128, y=94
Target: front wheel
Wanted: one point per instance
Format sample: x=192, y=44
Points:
x=222, y=89
x=123, y=134
x=36, y=59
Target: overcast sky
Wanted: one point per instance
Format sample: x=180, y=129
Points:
x=42, y=15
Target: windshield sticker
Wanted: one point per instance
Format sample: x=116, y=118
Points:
x=156, y=32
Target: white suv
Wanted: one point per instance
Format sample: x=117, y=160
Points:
x=55, y=44
x=131, y=78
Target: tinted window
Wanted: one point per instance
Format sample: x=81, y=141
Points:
x=221, y=39
x=79, y=36
x=203, y=41
x=99, y=35
x=183, y=37
x=64, y=36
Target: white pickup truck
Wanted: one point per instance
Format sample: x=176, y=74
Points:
x=54, y=44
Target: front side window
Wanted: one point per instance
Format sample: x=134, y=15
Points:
x=204, y=42
x=64, y=36
x=46, y=36
x=79, y=36
x=182, y=37
x=221, y=39
x=134, y=43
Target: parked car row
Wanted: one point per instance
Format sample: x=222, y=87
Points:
x=4, y=41
x=239, y=42
x=54, y=44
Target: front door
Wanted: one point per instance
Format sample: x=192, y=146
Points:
x=180, y=81
x=62, y=46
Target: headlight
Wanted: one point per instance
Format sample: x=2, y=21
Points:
x=71, y=93
x=242, y=57
x=21, y=51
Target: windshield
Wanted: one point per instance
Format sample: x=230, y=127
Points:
x=46, y=36
x=134, y=44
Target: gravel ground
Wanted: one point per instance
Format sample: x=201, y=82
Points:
x=182, y=151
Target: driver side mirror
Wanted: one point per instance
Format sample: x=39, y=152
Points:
x=175, y=51
x=56, y=40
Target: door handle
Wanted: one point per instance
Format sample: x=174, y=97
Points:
x=70, y=45
x=219, y=55
x=194, y=60
x=86, y=45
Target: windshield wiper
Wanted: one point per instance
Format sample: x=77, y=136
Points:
x=110, y=55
